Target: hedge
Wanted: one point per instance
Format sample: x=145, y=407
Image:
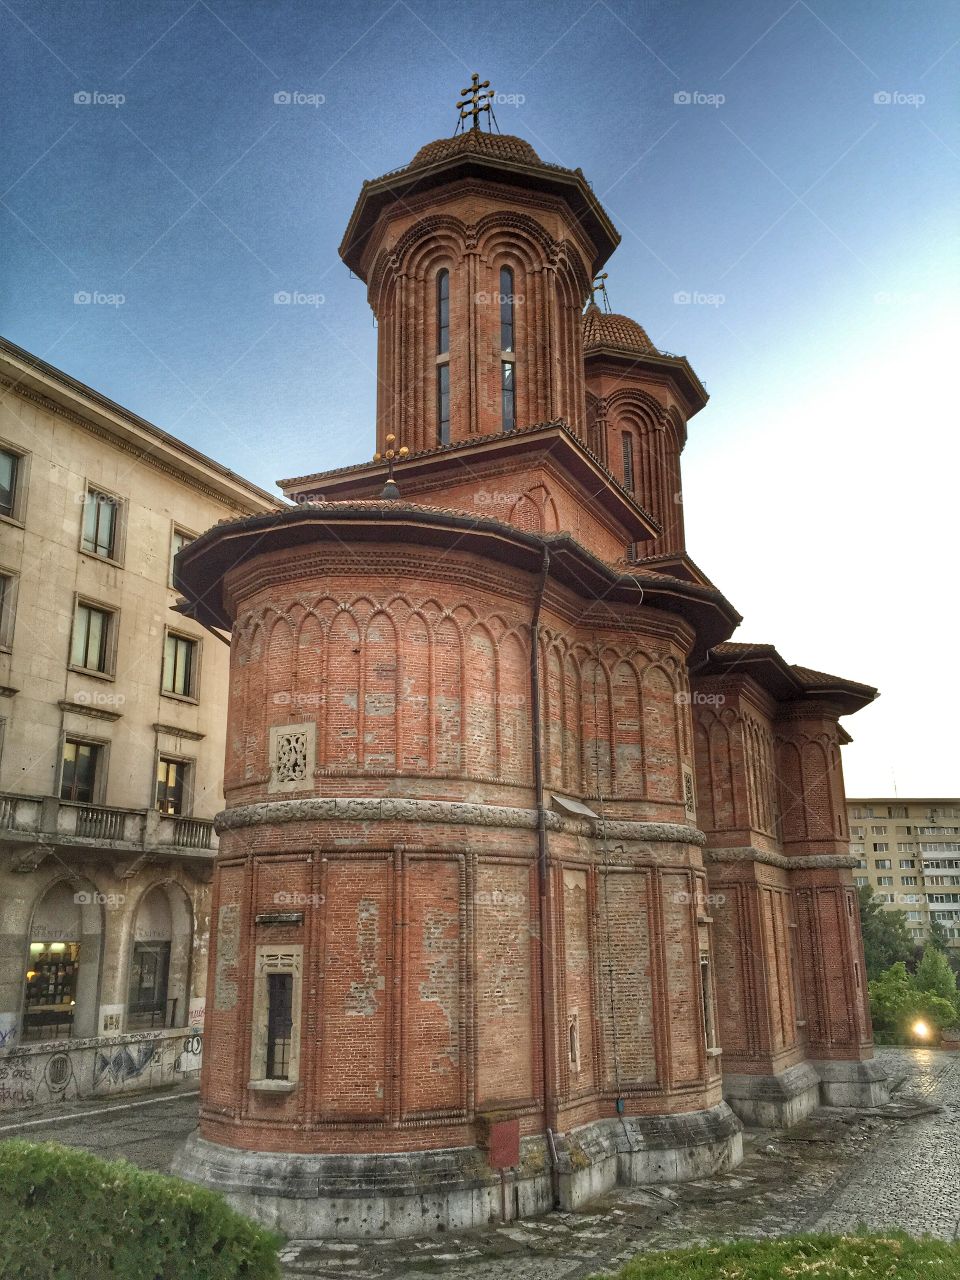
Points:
x=891, y=1256
x=66, y=1215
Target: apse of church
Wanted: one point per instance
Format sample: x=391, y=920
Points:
x=529, y=882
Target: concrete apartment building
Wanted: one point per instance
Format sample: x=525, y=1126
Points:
x=909, y=853
x=112, y=724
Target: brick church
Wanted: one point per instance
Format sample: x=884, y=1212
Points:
x=530, y=881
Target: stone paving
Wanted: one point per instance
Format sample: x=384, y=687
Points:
x=891, y=1167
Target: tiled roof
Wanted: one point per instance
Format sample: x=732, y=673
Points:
x=608, y=329
x=498, y=146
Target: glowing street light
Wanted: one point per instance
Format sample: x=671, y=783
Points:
x=921, y=1030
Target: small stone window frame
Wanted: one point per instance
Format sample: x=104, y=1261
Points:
x=573, y=1041
x=293, y=751
x=283, y=958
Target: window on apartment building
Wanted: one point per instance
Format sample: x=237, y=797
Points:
x=856, y=833
x=905, y=847
x=882, y=864
x=101, y=525
x=909, y=880
x=180, y=665
x=81, y=768
x=881, y=847
x=171, y=785
x=856, y=848
x=179, y=540
x=862, y=862
x=878, y=831
x=91, y=646
x=907, y=864
x=12, y=483
x=8, y=608
x=897, y=811
x=860, y=881
x=884, y=881
x=884, y=897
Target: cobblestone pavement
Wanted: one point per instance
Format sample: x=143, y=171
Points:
x=896, y=1166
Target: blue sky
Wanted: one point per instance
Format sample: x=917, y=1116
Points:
x=811, y=221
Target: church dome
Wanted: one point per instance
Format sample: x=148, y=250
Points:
x=497, y=146
x=608, y=329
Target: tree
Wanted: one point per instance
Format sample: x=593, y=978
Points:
x=886, y=937
x=938, y=933
x=935, y=975
x=896, y=1002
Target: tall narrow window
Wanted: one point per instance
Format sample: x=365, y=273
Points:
x=279, y=1025
x=443, y=357
x=100, y=525
x=179, y=666
x=706, y=995
x=171, y=776
x=90, y=646
x=508, y=379
x=81, y=761
x=628, y=482
x=9, y=474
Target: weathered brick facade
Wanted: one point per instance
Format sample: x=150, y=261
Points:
x=465, y=756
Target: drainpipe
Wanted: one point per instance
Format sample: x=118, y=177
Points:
x=543, y=882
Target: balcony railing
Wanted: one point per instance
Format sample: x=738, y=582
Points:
x=46, y=820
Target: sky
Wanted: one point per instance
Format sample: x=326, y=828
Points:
x=785, y=180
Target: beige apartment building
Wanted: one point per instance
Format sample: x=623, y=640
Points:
x=909, y=852
x=112, y=725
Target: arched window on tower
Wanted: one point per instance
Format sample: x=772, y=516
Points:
x=443, y=357
x=508, y=357
x=628, y=471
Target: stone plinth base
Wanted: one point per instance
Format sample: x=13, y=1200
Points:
x=853, y=1084
x=774, y=1102
x=313, y=1197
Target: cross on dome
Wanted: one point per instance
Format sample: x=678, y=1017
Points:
x=474, y=99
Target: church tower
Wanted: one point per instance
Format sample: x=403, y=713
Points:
x=478, y=259
x=490, y=900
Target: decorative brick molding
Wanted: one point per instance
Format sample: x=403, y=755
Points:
x=831, y=861
x=390, y=809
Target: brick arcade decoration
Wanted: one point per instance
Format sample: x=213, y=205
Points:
x=569, y=867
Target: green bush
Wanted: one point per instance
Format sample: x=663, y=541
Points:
x=65, y=1215
x=897, y=1000
x=893, y=1256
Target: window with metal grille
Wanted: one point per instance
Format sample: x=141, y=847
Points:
x=628, y=481
x=509, y=394
x=443, y=403
x=279, y=1025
